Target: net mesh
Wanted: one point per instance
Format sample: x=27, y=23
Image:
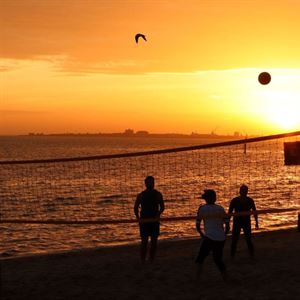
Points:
x=104, y=188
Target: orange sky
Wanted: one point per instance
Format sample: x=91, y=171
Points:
x=74, y=66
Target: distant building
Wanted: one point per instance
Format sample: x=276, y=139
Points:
x=194, y=134
x=129, y=132
x=142, y=133
x=34, y=134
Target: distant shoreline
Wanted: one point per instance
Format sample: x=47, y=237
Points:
x=134, y=135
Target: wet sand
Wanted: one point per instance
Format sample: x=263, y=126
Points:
x=116, y=272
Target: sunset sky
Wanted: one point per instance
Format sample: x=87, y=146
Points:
x=73, y=66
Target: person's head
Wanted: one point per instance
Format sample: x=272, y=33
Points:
x=243, y=190
x=209, y=196
x=149, y=182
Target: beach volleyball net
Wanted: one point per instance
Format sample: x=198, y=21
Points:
x=103, y=189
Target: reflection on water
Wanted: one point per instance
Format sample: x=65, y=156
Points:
x=106, y=189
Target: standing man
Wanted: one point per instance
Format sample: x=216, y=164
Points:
x=149, y=204
x=214, y=235
x=242, y=204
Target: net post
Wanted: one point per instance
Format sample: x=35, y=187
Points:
x=245, y=144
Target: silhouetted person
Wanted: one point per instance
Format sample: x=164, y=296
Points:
x=242, y=203
x=214, y=235
x=149, y=204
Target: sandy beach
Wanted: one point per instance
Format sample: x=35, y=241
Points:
x=116, y=272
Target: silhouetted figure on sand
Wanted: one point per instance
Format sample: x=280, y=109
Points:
x=242, y=204
x=214, y=235
x=149, y=204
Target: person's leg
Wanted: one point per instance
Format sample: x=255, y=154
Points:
x=153, y=247
x=247, y=233
x=218, y=247
x=143, y=251
x=205, y=248
x=236, y=229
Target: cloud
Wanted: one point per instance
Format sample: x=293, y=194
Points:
x=15, y=113
x=8, y=65
x=4, y=69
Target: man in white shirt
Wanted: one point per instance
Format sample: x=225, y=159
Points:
x=214, y=235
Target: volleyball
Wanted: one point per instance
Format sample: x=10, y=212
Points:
x=264, y=78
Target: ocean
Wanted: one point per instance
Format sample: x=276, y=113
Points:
x=106, y=189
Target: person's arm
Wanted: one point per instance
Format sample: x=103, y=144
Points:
x=231, y=207
x=161, y=205
x=226, y=221
x=255, y=215
x=230, y=210
x=198, y=223
x=136, y=207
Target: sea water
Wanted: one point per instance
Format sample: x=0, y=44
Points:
x=104, y=202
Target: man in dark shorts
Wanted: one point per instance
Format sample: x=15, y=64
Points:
x=149, y=205
x=242, y=204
